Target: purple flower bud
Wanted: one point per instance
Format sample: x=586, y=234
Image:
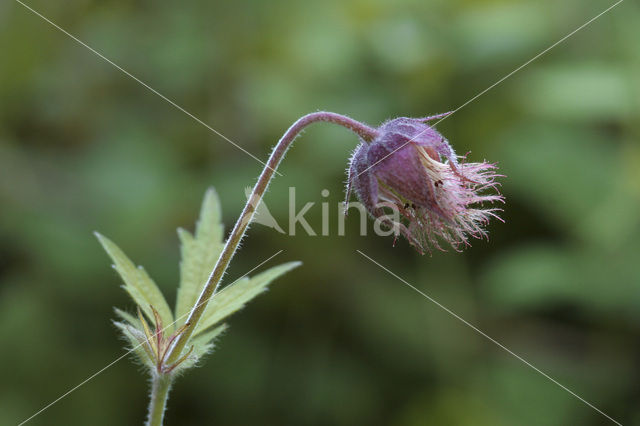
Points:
x=412, y=168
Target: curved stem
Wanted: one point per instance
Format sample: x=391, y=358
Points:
x=160, y=385
x=365, y=132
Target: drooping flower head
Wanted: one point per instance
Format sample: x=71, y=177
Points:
x=411, y=168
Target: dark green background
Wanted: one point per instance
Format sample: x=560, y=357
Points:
x=338, y=341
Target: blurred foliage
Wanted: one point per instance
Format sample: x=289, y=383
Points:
x=338, y=341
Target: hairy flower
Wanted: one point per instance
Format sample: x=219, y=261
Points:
x=411, y=168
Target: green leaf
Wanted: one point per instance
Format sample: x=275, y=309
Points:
x=136, y=339
x=130, y=319
x=199, y=254
x=233, y=297
x=202, y=345
x=137, y=283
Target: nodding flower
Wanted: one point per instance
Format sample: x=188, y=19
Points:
x=411, y=168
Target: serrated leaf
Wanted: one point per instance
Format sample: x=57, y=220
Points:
x=202, y=345
x=136, y=339
x=206, y=338
x=199, y=254
x=130, y=319
x=137, y=283
x=233, y=297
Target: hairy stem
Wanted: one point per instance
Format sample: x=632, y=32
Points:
x=365, y=132
x=160, y=385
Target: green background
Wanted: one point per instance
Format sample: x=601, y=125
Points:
x=338, y=341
